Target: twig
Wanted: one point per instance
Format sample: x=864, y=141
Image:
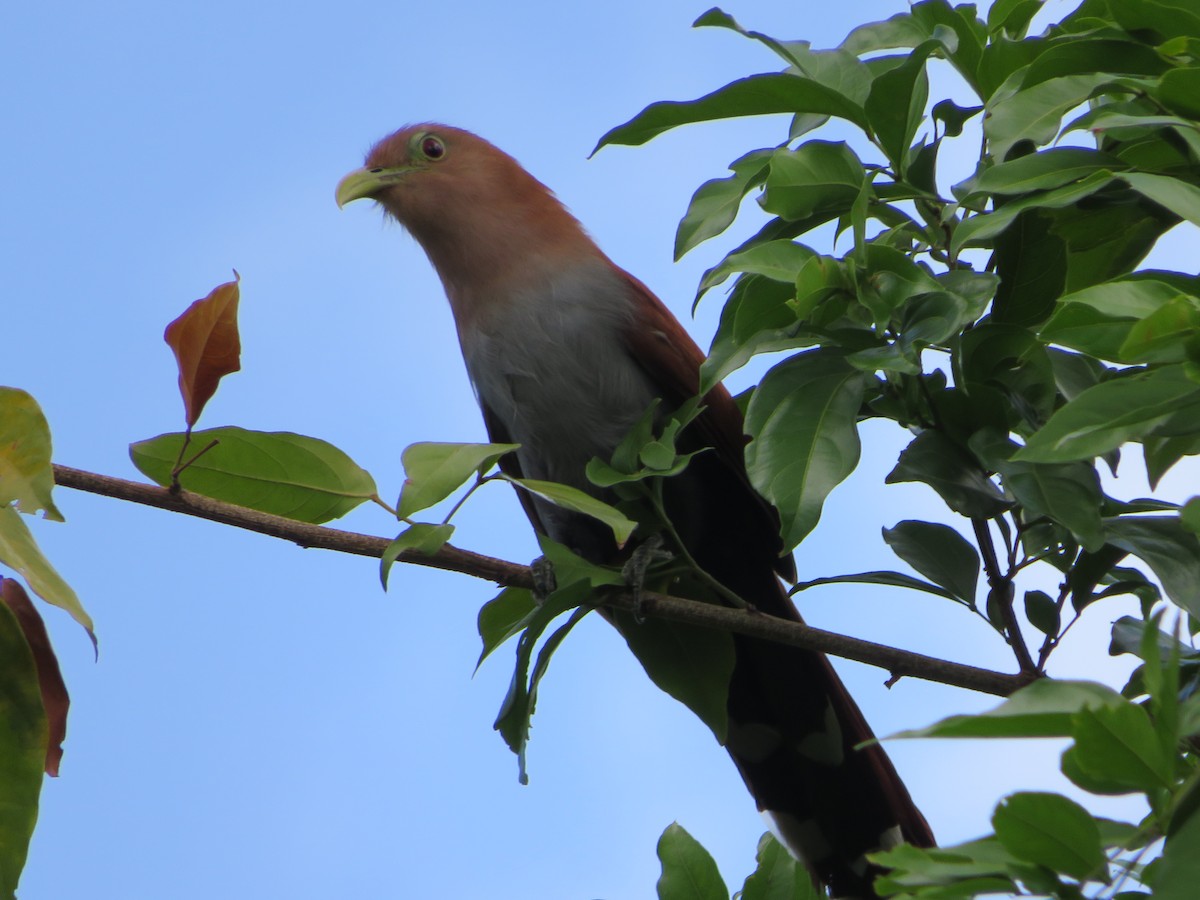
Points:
x=900, y=663
x=1003, y=592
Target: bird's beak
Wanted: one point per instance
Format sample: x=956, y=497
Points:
x=363, y=183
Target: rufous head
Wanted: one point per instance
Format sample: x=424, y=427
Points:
x=472, y=207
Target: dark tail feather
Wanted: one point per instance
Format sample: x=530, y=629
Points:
x=793, y=728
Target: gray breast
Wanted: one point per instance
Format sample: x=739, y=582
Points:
x=553, y=367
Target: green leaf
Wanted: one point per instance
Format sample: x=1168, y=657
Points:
x=778, y=875
x=1041, y=709
x=1169, y=18
x=691, y=663
x=641, y=455
x=901, y=30
x=517, y=709
x=1034, y=114
x=896, y=105
x=759, y=318
x=1129, y=320
x=1170, y=550
x=836, y=69
x=23, y=737
x=965, y=48
x=1162, y=453
x=1089, y=570
x=1104, y=417
x=1050, y=830
x=931, y=319
x=754, y=96
x=1178, y=90
x=1032, y=262
x=1189, y=516
x=419, y=537
x=569, y=567
x=577, y=501
x=939, y=553
x=1180, y=197
x=776, y=260
x=1134, y=298
x=892, y=579
x=935, y=460
x=603, y=475
x=953, y=116
x=967, y=870
x=1074, y=373
x=1116, y=751
x=688, y=871
x=1068, y=493
x=1122, y=120
x=802, y=420
x=434, y=471
x=20, y=552
x=502, y=618
x=26, y=475
x=1109, y=240
x=1082, y=328
x=1042, y=612
x=1169, y=334
x=1011, y=360
x=277, y=472
x=1100, y=49
x=890, y=278
x=978, y=230
x=715, y=204
x=1011, y=16
x=1045, y=170
x=818, y=178
x=1179, y=872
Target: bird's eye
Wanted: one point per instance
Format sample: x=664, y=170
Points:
x=432, y=148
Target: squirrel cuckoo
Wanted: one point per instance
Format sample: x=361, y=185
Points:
x=566, y=352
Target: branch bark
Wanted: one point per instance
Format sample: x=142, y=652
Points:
x=898, y=662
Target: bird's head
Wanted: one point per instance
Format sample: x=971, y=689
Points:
x=420, y=168
x=471, y=206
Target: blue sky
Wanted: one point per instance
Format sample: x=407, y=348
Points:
x=263, y=721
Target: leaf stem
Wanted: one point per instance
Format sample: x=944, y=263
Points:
x=179, y=468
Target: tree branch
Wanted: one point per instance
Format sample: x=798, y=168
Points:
x=1002, y=591
x=747, y=622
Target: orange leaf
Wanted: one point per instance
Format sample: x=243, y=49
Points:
x=206, y=344
x=54, y=691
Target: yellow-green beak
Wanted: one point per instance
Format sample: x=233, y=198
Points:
x=366, y=183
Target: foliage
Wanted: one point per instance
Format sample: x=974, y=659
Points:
x=1002, y=319
x=690, y=873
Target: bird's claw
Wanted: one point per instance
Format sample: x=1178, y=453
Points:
x=545, y=582
x=634, y=571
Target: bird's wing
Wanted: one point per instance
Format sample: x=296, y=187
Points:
x=670, y=358
x=510, y=465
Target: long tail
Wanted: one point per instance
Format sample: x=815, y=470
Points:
x=793, y=729
x=793, y=726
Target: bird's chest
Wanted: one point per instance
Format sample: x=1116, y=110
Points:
x=555, y=372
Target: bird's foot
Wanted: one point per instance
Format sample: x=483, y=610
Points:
x=634, y=571
x=545, y=582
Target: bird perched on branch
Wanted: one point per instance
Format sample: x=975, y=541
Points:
x=566, y=352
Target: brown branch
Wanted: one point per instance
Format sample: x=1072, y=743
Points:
x=898, y=662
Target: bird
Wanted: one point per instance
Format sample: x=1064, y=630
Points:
x=566, y=351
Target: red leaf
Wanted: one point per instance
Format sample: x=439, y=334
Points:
x=206, y=344
x=54, y=691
